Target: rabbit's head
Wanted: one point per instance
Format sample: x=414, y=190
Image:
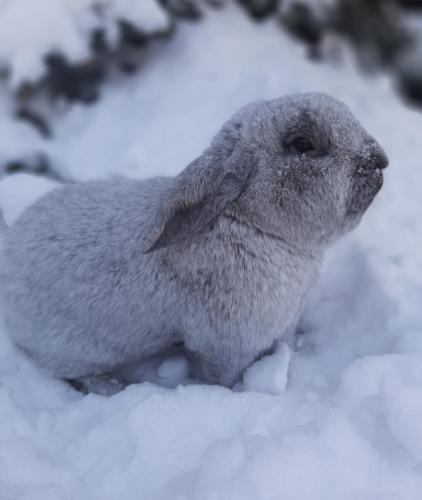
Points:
x=301, y=168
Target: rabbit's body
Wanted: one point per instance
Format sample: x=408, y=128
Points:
x=70, y=301
x=67, y=288
x=97, y=275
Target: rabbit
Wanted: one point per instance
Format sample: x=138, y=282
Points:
x=99, y=274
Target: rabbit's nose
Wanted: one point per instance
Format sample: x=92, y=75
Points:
x=379, y=158
x=375, y=156
x=373, y=160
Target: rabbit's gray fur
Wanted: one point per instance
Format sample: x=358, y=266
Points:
x=99, y=274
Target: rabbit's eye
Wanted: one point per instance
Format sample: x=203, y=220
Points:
x=302, y=145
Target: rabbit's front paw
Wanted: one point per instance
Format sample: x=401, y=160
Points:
x=104, y=385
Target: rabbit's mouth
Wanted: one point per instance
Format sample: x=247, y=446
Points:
x=365, y=185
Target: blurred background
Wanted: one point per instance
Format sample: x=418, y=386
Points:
x=97, y=87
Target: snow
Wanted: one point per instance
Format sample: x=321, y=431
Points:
x=149, y=15
x=176, y=367
x=21, y=190
x=270, y=373
x=345, y=422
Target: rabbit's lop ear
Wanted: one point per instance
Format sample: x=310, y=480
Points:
x=197, y=196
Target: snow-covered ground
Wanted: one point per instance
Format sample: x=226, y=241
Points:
x=348, y=424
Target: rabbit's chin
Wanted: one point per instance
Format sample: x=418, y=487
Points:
x=364, y=190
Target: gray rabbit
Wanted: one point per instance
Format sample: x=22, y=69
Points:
x=99, y=274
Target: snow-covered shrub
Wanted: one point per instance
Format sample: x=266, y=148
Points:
x=306, y=20
x=260, y=8
x=374, y=28
x=32, y=31
x=408, y=75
